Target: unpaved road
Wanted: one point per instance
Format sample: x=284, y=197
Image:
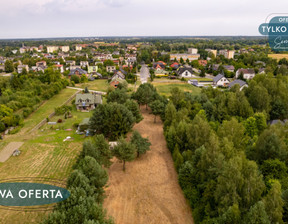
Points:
x=8, y=150
x=148, y=191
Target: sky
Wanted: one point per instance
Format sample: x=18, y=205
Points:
x=89, y=18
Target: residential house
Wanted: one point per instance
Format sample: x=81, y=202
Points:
x=20, y=68
x=248, y=73
x=229, y=68
x=175, y=65
x=59, y=67
x=159, y=66
x=84, y=63
x=92, y=69
x=65, y=48
x=239, y=82
x=131, y=60
x=227, y=53
x=51, y=49
x=110, y=68
x=41, y=63
x=118, y=75
x=261, y=71
x=202, y=62
x=220, y=80
x=185, y=72
x=78, y=71
x=78, y=48
x=214, y=52
x=69, y=63
x=192, y=50
x=87, y=101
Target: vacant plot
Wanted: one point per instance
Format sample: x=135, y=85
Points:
x=164, y=88
x=98, y=84
x=278, y=56
x=148, y=191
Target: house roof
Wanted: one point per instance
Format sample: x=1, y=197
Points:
x=229, y=67
x=81, y=71
x=237, y=81
x=246, y=70
x=181, y=70
x=88, y=98
x=158, y=64
x=217, y=78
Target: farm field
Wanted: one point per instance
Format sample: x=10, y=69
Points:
x=43, y=154
x=148, y=191
x=278, y=56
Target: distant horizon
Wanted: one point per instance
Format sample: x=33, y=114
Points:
x=132, y=36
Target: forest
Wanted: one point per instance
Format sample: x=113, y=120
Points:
x=232, y=165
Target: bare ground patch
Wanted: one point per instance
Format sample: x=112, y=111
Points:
x=148, y=192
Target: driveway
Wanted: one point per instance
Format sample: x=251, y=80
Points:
x=144, y=73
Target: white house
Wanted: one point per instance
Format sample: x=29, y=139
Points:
x=185, y=72
x=248, y=73
x=220, y=80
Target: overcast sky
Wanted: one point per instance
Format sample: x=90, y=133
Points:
x=76, y=18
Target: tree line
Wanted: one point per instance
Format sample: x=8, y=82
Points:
x=232, y=166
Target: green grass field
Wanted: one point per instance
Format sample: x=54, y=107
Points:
x=99, y=85
x=165, y=88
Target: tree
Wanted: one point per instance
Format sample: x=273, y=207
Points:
x=145, y=94
x=142, y=144
x=170, y=114
x=157, y=108
x=257, y=214
x=177, y=158
x=124, y=151
x=134, y=108
x=75, y=79
x=274, y=203
x=9, y=67
x=98, y=148
x=270, y=146
x=112, y=120
x=118, y=96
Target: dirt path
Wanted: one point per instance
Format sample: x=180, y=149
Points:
x=148, y=192
x=8, y=150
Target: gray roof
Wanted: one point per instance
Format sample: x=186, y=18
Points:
x=183, y=69
x=218, y=77
x=237, y=81
x=88, y=99
x=81, y=71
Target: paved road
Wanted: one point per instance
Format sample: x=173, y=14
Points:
x=144, y=74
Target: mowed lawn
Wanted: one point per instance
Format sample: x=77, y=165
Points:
x=44, y=153
x=278, y=56
x=98, y=85
x=165, y=88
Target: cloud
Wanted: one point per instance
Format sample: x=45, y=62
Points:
x=115, y=3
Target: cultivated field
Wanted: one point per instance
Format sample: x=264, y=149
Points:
x=148, y=191
x=278, y=56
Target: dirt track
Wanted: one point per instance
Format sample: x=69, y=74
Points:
x=148, y=192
